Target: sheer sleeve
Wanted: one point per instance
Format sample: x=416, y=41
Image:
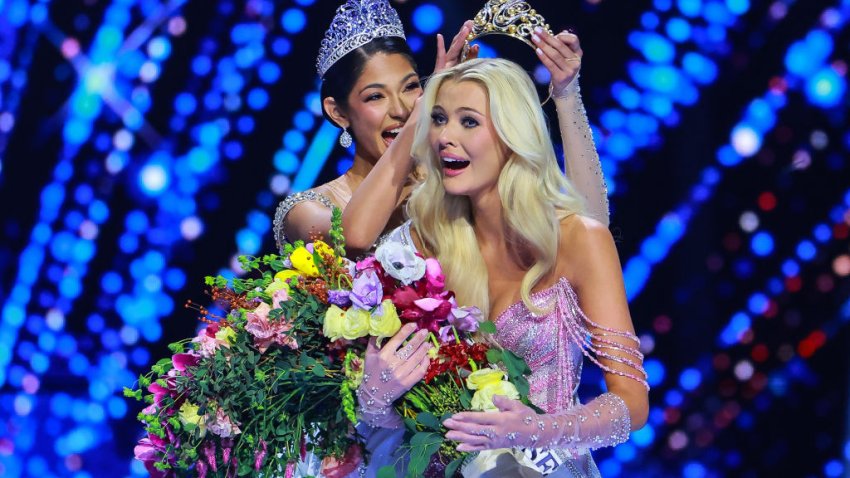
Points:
x=286, y=205
x=605, y=420
x=581, y=160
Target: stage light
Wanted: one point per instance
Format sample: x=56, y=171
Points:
x=643, y=437
x=655, y=371
x=689, y=8
x=258, y=98
x=806, y=250
x=762, y=244
x=201, y=65
x=294, y=141
x=826, y=88
x=678, y=29
x=293, y=20
x=76, y=131
x=745, y=140
x=154, y=179
x=428, y=18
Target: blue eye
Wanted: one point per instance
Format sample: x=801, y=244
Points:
x=438, y=119
x=469, y=122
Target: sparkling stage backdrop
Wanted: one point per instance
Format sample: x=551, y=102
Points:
x=145, y=143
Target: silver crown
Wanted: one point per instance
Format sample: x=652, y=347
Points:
x=355, y=24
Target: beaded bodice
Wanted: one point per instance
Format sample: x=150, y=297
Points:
x=553, y=345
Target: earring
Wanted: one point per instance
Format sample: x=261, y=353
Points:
x=345, y=138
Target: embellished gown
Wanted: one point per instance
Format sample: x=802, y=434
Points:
x=554, y=346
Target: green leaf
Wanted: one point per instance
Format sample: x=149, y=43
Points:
x=494, y=355
x=319, y=370
x=386, y=471
x=175, y=347
x=487, y=327
x=465, y=399
x=452, y=467
x=428, y=420
x=410, y=424
x=422, y=446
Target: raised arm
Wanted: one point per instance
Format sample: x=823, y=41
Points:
x=383, y=190
x=561, y=54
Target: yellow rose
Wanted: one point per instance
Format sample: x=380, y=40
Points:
x=332, y=327
x=190, y=419
x=483, y=377
x=386, y=324
x=355, y=324
x=285, y=275
x=323, y=249
x=483, y=398
x=226, y=335
x=302, y=261
x=277, y=285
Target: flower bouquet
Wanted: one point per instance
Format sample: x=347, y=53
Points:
x=466, y=367
x=266, y=388
x=270, y=380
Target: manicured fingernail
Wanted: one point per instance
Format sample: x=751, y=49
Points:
x=535, y=38
x=538, y=30
x=539, y=51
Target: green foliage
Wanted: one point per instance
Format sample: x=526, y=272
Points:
x=277, y=395
x=487, y=327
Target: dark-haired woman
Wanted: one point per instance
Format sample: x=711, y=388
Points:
x=370, y=92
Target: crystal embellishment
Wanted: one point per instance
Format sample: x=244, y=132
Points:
x=355, y=24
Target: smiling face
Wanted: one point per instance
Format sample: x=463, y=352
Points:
x=465, y=140
x=380, y=103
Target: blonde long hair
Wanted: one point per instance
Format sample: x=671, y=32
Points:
x=535, y=194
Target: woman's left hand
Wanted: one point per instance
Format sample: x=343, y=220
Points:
x=515, y=424
x=561, y=55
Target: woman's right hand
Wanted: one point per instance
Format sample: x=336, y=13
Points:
x=390, y=371
x=452, y=57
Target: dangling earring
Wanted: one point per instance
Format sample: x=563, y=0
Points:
x=345, y=138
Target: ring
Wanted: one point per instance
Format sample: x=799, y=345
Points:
x=404, y=353
x=484, y=432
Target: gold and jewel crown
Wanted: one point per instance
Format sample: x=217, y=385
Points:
x=513, y=18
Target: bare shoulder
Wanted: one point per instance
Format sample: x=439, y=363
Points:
x=305, y=218
x=585, y=245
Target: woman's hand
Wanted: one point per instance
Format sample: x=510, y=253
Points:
x=396, y=367
x=513, y=425
x=452, y=57
x=561, y=55
x=389, y=372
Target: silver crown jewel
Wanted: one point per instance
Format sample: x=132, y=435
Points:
x=355, y=24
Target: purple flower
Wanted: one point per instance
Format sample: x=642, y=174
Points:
x=339, y=298
x=400, y=262
x=446, y=334
x=260, y=455
x=183, y=361
x=466, y=319
x=366, y=290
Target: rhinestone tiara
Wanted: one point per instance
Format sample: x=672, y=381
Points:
x=513, y=18
x=355, y=24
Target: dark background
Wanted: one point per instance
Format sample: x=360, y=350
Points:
x=737, y=267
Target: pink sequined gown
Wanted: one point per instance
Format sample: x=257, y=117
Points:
x=554, y=346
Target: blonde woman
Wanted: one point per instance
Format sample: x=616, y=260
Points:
x=506, y=225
